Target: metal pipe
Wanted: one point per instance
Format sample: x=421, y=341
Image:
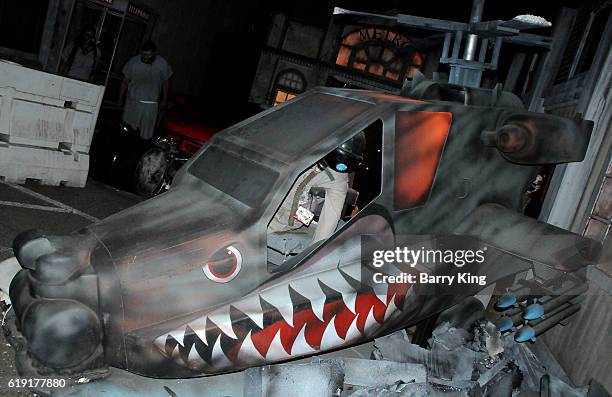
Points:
x=457, y=44
x=525, y=293
x=477, y=7
x=65, y=36
x=470, y=48
x=472, y=40
x=552, y=313
x=446, y=47
x=559, y=300
x=115, y=47
x=496, y=49
x=550, y=322
x=521, y=296
x=550, y=306
x=484, y=43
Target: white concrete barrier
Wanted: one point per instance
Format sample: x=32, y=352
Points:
x=50, y=167
x=8, y=269
x=46, y=125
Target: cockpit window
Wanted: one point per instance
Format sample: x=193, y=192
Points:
x=325, y=196
x=217, y=168
x=299, y=126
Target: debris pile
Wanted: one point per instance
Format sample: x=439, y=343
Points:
x=457, y=363
x=461, y=363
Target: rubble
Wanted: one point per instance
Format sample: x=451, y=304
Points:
x=374, y=373
x=443, y=364
x=5, y=299
x=482, y=362
x=311, y=379
x=527, y=362
x=449, y=337
x=505, y=379
x=412, y=390
x=493, y=340
x=555, y=387
x=8, y=268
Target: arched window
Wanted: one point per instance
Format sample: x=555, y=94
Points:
x=289, y=83
x=380, y=52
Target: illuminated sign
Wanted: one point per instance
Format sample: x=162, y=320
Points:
x=377, y=51
x=397, y=39
x=139, y=12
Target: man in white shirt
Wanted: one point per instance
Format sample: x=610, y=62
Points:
x=146, y=81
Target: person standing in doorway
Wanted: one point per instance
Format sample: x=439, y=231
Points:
x=144, y=89
x=80, y=58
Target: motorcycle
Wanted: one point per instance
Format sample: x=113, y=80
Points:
x=180, y=137
x=121, y=158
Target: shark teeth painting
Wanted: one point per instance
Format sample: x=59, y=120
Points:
x=302, y=317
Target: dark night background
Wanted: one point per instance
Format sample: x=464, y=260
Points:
x=216, y=52
x=319, y=12
x=226, y=68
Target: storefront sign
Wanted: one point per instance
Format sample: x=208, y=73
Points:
x=397, y=39
x=139, y=12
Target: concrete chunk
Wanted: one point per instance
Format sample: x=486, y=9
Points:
x=375, y=373
x=448, y=337
x=413, y=390
x=456, y=365
x=296, y=380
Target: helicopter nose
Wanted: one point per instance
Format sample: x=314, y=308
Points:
x=30, y=245
x=61, y=333
x=55, y=299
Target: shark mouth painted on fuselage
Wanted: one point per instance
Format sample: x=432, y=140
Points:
x=305, y=316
